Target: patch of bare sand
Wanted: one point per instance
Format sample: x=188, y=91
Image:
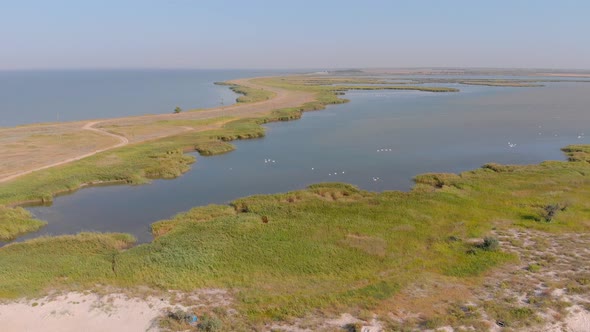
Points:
x=83, y=312
x=342, y=323
x=577, y=320
x=108, y=309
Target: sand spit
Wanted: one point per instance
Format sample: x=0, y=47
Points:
x=21, y=154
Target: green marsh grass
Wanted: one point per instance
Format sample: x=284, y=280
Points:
x=65, y=260
x=248, y=95
x=138, y=163
x=331, y=247
x=15, y=222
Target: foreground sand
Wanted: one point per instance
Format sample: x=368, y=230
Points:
x=118, y=312
x=82, y=312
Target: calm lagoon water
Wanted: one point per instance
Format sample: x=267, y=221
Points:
x=48, y=96
x=419, y=131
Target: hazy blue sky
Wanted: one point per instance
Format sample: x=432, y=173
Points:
x=293, y=34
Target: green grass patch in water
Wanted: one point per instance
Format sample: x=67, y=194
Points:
x=17, y=221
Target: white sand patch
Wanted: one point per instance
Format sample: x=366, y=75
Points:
x=83, y=312
x=344, y=319
x=310, y=324
x=578, y=320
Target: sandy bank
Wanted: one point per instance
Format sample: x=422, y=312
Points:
x=83, y=312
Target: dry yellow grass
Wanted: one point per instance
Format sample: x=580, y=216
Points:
x=29, y=147
x=148, y=131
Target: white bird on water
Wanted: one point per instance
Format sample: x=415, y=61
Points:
x=511, y=144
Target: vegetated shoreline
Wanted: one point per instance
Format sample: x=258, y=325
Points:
x=331, y=242
x=242, y=90
x=40, y=202
x=337, y=91
x=439, y=224
x=257, y=96
x=251, y=95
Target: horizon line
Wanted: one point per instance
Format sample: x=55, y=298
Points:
x=295, y=69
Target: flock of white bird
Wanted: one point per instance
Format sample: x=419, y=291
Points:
x=375, y=178
x=267, y=161
x=511, y=145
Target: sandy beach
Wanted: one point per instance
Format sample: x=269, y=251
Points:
x=91, y=312
x=82, y=312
